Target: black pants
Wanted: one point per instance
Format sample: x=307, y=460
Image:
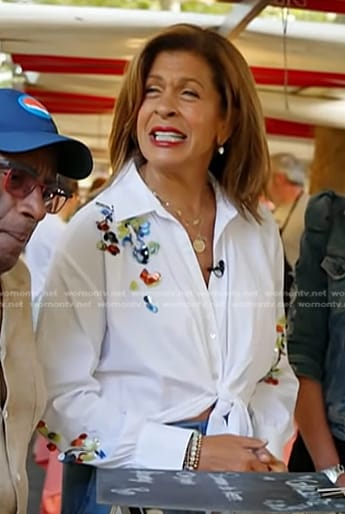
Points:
x=300, y=460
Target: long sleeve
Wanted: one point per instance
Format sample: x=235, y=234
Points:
x=71, y=335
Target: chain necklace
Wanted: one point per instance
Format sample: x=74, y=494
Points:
x=169, y=206
x=199, y=242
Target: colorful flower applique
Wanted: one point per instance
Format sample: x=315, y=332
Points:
x=131, y=232
x=149, y=304
x=52, y=437
x=150, y=279
x=153, y=247
x=82, y=449
x=109, y=241
x=136, y=229
x=272, y=376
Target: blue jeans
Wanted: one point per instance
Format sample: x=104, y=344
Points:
x=79, y=483
x=79, y=491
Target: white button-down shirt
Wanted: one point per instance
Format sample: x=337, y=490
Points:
x=129, y=347
x=38, y=255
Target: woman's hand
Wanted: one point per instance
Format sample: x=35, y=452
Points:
x=236, y=453
x=274, y=464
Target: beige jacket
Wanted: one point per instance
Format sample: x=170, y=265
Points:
x=25, y=390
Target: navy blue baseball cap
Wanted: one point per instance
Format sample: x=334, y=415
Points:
x=26, y=124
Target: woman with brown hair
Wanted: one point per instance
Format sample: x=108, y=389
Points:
x=171, y=353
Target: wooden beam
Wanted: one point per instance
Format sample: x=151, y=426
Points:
x=240, y=16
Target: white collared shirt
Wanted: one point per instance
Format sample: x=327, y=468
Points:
x=38, y=255
x=129, y=347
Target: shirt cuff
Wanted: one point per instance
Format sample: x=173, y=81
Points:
x=275, y=440
x=161, y=446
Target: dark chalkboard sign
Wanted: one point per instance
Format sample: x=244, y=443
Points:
x=271, y=492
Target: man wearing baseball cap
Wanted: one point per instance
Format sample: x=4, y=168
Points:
x=34, y=159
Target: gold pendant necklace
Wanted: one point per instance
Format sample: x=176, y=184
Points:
x=199, y=242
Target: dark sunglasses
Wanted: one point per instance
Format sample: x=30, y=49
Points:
x=20, y=181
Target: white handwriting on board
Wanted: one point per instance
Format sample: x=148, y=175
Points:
x=280, y=506
x=304, y=486
x=185, y=478
x=230, y=492
x=130, y=491
x=144, y=477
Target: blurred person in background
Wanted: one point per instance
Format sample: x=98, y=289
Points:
x=286, y=190
x=33, y=160
x=163, y=360
x=96, y=186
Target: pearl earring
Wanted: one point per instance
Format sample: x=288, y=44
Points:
x=220, y=149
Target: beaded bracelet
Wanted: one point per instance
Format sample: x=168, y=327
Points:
x=192, y=457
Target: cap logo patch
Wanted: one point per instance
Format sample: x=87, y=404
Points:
x=33, y=106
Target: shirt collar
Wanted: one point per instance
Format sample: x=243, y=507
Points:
x=131, y=198
x=129, y=195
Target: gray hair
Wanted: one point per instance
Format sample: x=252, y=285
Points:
x=290, y=166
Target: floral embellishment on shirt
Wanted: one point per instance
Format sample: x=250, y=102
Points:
x=137, y=227
x=81, y=449
x=132, y=232
x=153, y=247
x=133, y=286
x=150, y=305
x=52, y=437
x=150, y=279
x=109, y=241
x=272, y=377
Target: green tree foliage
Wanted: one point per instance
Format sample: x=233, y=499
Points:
x=206, y=8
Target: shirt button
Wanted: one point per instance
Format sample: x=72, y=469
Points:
x=18, y=477
x=5, y=414
x=213, y=335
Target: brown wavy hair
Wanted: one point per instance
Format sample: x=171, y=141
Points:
x=243, y=169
